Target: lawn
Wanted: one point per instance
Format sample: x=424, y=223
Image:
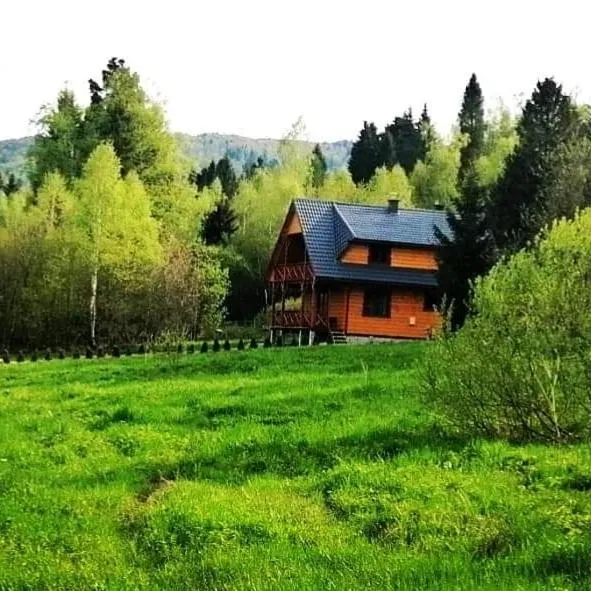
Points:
x=313, y=468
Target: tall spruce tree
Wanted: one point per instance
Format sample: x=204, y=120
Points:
x=365, y=154
x=387, y=150
x=407, y=141
x=520, y=209
x=427, y=132
x=471, y=121
x=318, y=167
x=12, y=185
x=468, y=253
x=224, y=171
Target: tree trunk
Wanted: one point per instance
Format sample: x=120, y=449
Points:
x=93, y=290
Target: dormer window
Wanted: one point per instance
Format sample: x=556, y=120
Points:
x=379, y=254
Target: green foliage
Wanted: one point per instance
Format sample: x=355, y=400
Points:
x=204, y=347
x=216, y=346
x=253, y=343
x=470, y=251
x=547, y=123
x=227, y=345
x=435, y=181
x=240, y=345
x=365, y=154
x=471, y=123
x=318, y=167
x=214, y=473
x=520, y=367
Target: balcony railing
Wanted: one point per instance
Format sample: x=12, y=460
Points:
x=292, y=273
x=297, y=319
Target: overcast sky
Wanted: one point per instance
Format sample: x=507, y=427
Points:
x=252, y=67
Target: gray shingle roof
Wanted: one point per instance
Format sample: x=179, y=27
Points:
x=329, y=227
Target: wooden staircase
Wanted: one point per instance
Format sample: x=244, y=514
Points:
x=338, y=337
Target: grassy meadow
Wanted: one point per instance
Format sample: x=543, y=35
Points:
x=313, y=468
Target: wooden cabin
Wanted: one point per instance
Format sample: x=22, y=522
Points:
x=341, y=269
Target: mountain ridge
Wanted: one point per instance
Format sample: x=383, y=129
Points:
x=201, y=149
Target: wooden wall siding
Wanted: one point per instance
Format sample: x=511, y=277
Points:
x=405, y=304
x=356, y=253
x=337, y=306
x=293, y=225
x=413, y=258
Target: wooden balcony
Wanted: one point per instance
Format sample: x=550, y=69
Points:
x=298, y=319
x=295, y=273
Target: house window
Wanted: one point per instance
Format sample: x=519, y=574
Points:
x=431, y=300
x=379, y=254
x=376, y=302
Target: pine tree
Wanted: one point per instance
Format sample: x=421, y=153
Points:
x=220, y=224
x=318, y=167
x=407, y=141
x=471, y=121
x=12, y=186
x=468, y=253
x=387, y=150
x=427, y=132
x=365, y=154
x=224, y=171
x=519, y=208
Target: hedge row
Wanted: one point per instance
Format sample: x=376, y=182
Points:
x=116, y=351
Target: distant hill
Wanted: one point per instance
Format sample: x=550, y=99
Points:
x=201, y=149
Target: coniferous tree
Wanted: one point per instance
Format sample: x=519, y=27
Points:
x=427, y=132
x=318, y=167
x=224, y=171
x=471, y=120
x=407, y=141
x=220, y=224
x=365, y=154
x=12, y=185
x=387, y=150
x=520, y=209
x=468, y=253
x=251, y=169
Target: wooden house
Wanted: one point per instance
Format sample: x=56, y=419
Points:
x=341, y=269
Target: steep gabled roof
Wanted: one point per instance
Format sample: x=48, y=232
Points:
x=329, y=227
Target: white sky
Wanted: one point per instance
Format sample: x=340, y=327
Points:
x=252, y=67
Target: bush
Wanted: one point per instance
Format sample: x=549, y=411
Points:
x=142, y=349
x=48, y=355
x=34, y=355
x=240, y=345
x=180, y=349
x=191, y=348
x=204, y=347
x=61, y=354
x=253, y=343
x=294, y=341
x=100, y=352
x=89, y=353
x=128, y=351
x=115, y=352
x=5, y=356
x=520, y=367
x=76, y=354
x=20, y=357
x=227, y=346
x=279, y=341
x=267, y=342
x=216, y=346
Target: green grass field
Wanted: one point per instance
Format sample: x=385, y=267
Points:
x=272, y=469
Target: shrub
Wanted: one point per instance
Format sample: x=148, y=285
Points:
x=89, y=353
x=227, y=346
x=279, y=341
x=115, y=352
x=240, y=345
x=253, y=343
x=48, y=355
x=520, y=368
x=142, y=349
x=100, y=352
x=76, y=354
x=216, y=346
x=267, y=342
x=180, y=349
x=34, y=355
x=128, y=351
x=294, y=341
x=204, y=347
x=5, y=356
x=20, y=357
x=61, y=354
x=191, y=348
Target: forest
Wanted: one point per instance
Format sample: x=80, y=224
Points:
x=115, y=236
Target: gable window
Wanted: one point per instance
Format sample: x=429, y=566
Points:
x=431, y=300
x=376, y=302
x=379, y=254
